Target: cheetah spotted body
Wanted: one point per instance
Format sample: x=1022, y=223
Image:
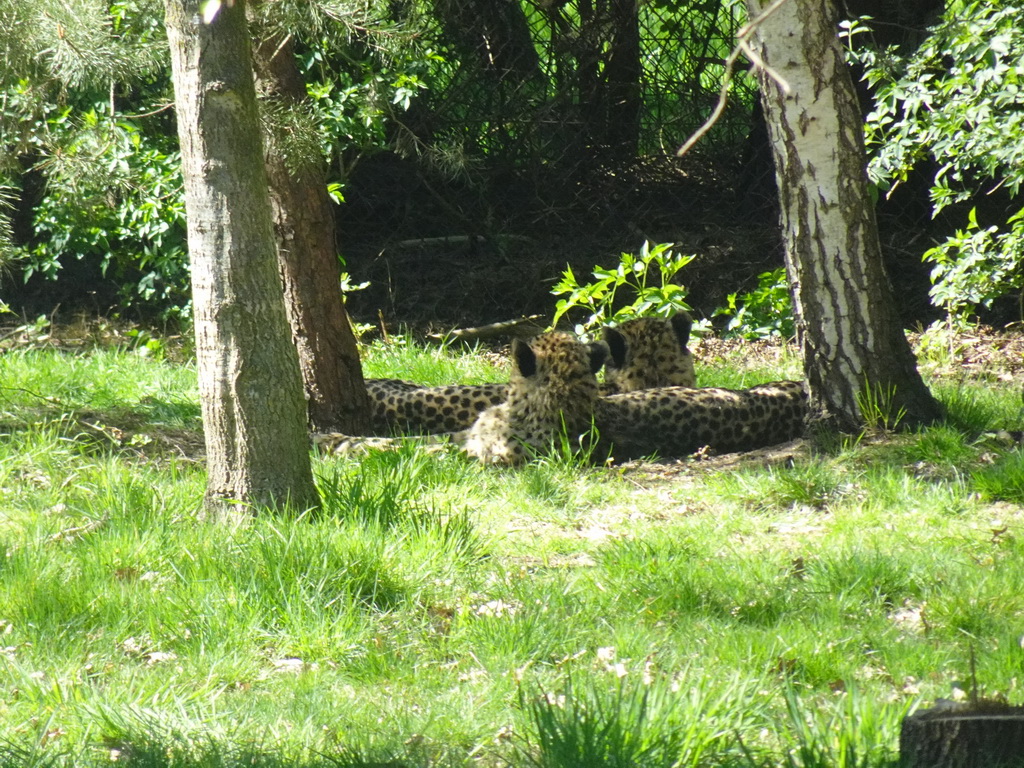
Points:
x=552, y=387
x=677, y=421
x=643, y=352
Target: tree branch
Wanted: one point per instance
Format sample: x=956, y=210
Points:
x=742, y=46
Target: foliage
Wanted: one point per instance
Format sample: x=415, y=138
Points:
x=113, y=192
x=380, y=75
x=645, y=278
x=35, y=333
x=634, y=720
x=978, y=265
x=363, y=68
x=956, y=102
x=763, y=312
x=82, y=45
x=111, y=183
x=352, y=111
x=116, y=199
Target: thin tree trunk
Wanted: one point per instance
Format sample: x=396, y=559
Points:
x=495, y=33
x=249, y=385
x=858, y=362
x=622, y=80
x=304, y=228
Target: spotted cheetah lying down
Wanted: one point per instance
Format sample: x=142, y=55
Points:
x=553, y=391
x=677, y=421
x=552, y=388
x=642, y=353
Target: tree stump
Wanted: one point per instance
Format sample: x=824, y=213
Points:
x=986, y=735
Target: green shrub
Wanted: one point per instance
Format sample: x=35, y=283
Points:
x=115, y=199
x=957, y=100
x=646, y=278
x=763, y=312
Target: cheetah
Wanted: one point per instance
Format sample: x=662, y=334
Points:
x=398, y=406
x=552, y=390
x=649, y=352
x=677, y=421
x=643, y=352
x=668, y=422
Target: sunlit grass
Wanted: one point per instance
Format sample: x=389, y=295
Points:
x=434, y=611
x=435, y=365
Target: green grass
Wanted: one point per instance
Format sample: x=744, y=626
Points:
x=434, y=365
x=436, y=612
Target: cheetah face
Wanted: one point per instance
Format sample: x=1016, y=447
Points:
x=649, y=352
x=552, y=387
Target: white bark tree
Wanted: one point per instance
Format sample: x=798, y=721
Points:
x=857, y=359
x=254, y=414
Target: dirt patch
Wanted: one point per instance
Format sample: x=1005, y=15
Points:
x=705, y=462
x=983, y=354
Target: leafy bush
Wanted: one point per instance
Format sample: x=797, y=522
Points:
x=93, y=132
x=763, y=312
x=632, y=275
x=88, y=140
x=958, y=102
x=115, y=198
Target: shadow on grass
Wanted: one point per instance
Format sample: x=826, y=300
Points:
x=148, y=428
x=177, y=752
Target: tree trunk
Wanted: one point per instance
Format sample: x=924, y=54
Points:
x=857, y=360
x=304, y=228
x=622, y=71
x=495, y=33
x=249, y=385
x=962, y=737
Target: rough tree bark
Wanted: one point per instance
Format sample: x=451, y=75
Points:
x=254, y=414
x=304, y=228
x=856, y=355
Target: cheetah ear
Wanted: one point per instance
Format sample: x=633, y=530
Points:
x=616, y=346
x=524, y=358
x=598, y=354
x=682, y=324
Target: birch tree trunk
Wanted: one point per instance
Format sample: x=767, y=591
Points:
x=857, y=360
x=254, y=415
x=304, y=229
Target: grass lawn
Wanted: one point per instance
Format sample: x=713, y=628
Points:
x=784, y=609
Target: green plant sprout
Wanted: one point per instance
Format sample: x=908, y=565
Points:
x=763, y=312
x=645, y=277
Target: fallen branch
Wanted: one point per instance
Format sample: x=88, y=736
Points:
x=521, y=327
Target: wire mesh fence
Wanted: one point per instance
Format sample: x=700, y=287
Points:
x=579, y=82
